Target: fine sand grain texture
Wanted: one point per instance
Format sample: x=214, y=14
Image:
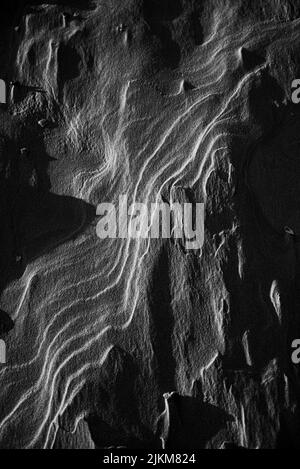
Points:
x=141, y=343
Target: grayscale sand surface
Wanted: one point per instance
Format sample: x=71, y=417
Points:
x=140, y=343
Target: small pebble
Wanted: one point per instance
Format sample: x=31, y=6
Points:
x=121, y=28
x=289, y=231
x=24, y=152
x=43, y=123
